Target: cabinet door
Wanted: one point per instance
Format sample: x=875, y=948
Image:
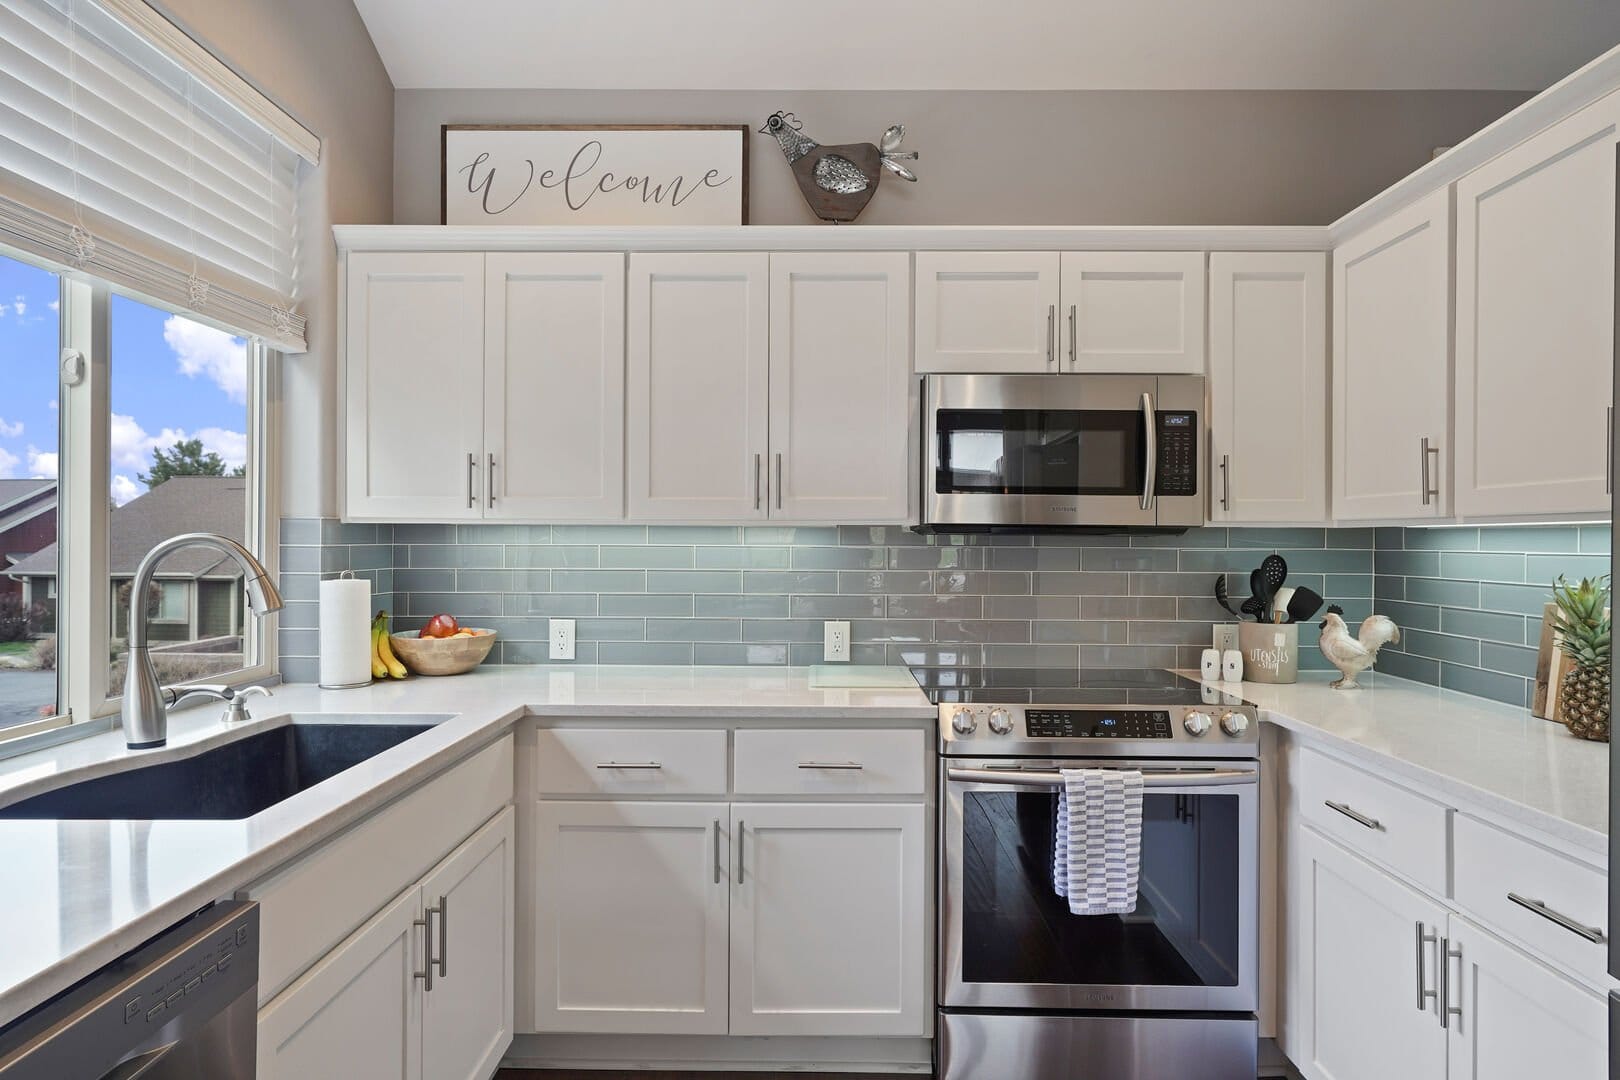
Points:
x=1365, y=968
x=630, y=917
x=467, y=1016
x=1268, y=386
x=357, y=1013
x=699, y=366
x=554, y=386
x=828, y=922
x=987, y=311
x=840, y=387
x=1132, y=311
x=1535, y=321
x=413, y=364
x=1519, y=1018
x=1392, y=366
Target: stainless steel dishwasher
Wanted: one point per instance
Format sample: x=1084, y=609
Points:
x=181, y=1007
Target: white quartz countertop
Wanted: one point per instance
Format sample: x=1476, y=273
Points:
x=1450, y=745
x=74, y=895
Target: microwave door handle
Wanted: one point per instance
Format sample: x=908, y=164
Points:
x=1150, y=478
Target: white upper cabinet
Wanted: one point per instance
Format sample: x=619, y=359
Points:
x=554, y=386
x=414, y=386
x=1132, y=311
x=840, y=387
x=1268, y=387
x=987, y=311
x=1535, y=322
x=1392, y=366
x=698, y=401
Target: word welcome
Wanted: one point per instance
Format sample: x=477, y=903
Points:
x=580, y=182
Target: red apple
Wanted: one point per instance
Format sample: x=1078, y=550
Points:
x=440, y=626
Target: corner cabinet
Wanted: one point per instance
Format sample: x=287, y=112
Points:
x=1268, y=429
x=1535, y=322
x=1392, y=452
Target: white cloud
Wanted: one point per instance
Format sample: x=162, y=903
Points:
x=53, y=405
x=132, y=447
x=202, y=350
x=55, y=305
x=10, y=431
x=3, y=309
x=8, y=463
x=22, y=306
x=41, y=463
x=124, y=489
x=229, y=445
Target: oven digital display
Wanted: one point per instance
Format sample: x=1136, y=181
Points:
x=1097, y=724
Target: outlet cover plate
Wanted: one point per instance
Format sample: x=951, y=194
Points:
x=835, y=641
x=1225, y=636
x=562, y=639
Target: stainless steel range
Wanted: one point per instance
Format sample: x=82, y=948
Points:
x=1028, y=989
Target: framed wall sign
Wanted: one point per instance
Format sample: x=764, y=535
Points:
x=598, y=174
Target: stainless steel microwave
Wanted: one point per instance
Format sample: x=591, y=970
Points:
x=1061, y=451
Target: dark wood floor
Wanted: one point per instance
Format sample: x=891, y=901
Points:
x=550, y=1074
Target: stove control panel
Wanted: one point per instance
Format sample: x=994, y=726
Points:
x=1097, y=724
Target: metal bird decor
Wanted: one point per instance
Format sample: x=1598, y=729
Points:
x=838, y=181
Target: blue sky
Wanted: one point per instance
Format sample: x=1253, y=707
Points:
x=172, y=378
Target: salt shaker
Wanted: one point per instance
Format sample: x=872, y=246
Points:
x=1232, y=666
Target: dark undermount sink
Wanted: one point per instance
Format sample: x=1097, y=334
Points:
x=227, y=782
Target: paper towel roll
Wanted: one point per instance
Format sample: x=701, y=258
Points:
x=345, y=633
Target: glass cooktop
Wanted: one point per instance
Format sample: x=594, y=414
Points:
x=1058, y=686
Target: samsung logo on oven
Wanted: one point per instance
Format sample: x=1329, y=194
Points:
x=1063, y=509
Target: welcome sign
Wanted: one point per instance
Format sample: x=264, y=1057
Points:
x=554, y=174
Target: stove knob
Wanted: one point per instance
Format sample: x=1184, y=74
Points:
x=963, y=722
x=1234, y=723
x=1001, y=721
x=1197, y=722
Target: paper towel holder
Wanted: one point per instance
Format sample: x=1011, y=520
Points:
x=350, y=575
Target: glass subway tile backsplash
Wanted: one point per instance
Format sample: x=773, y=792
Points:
x=650, y=594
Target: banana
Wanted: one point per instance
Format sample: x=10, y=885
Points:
x=379, y=670
x=385, y=650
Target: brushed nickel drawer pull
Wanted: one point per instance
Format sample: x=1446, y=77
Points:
x=426, y=974
x=1354, y=815
x=742, y=834
x=629, y=765
x=444, y=935
x=831, y=765
x=1424, y=994
x=717, y=851
x=1051, y=333
x=1447, y=955
x=1591, y=933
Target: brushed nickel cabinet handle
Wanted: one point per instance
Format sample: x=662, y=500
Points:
x=444, y=935
x=1447, y=955
x=492, y=480
x=1073, y=361
x=1608, y=451
x=1593, y=934
x=1051, y=332
x=717, y=851
x=848, y=765
x=472, y=473
x=1424, y=993
x=426, y=974
x=742, y=831
x=756, y=481
x=779, y=481
x=1354, y=815
x=629, y=764
x=1226, y=482
x=1428, y=478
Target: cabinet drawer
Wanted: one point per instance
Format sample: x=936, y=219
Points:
x=1386, y=823
x=831, y=762
x=1490, y=865
x=630, y=761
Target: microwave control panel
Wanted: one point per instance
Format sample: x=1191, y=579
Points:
x=1178, y=454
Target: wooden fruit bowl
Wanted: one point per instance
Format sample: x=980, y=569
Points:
x=443, y=656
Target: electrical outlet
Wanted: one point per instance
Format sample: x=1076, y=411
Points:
x=835, y=641
x=562, y=639
x=1226, y=636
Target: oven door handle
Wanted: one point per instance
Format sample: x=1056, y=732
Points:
x=1150, y=478
x=1150, y=777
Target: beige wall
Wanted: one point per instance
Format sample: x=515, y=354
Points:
x=1084, y=157
x=316, y=60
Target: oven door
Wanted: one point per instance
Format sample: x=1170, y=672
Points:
x=1007, y=940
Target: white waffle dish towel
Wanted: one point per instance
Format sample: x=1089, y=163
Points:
x=1098, y=850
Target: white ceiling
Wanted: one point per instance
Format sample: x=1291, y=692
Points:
x=988, y=44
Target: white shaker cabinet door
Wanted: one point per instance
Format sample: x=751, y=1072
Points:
x=1392, y=367
x=1366, y=968
x=357, y=1014
x=554, y=386
x=698, y=373
x=1132, y=311
x=993, y=312
x=828, y=920
x=840, y=387
x=630, y=917
x=1268, y=387
x=467, y=1016
x=413, y=370
x=1518, y=1018
x=1535, y=322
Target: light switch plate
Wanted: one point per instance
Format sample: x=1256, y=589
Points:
x=1226, y=636
x=562, y=639
x=835, y=641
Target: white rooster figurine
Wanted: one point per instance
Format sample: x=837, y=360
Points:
x=1353, y=655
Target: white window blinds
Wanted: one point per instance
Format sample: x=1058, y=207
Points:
x=117, y=159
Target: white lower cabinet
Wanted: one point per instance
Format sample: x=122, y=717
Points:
x=630, y=917
x=366, y=1011
x=827, y=927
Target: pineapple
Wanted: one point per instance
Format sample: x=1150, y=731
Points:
x=1582, y=621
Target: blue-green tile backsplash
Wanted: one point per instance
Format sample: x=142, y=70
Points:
x=1469, y=600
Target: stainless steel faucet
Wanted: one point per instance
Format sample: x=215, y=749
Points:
x=146, y=703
